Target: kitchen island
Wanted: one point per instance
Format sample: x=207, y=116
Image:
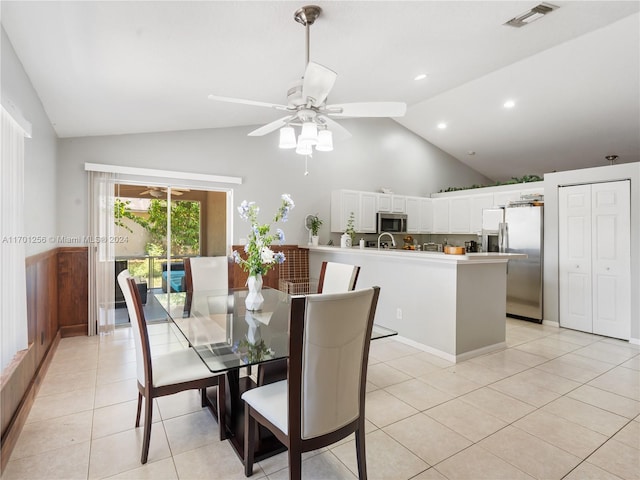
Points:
x=453, y=306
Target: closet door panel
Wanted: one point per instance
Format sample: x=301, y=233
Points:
x=574, y=224
x=611, y=260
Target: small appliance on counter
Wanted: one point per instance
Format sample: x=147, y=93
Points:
x=432, y=247
x=471, y=246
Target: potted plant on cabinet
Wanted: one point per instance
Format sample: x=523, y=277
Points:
x=315, y=222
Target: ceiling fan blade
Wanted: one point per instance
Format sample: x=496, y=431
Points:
x=145, y=192
x=270, y=127
x=367, y=109
x=244, y=101
x=318, y=82
x=339, y=132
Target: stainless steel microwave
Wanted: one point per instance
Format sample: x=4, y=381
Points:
x=392, y=222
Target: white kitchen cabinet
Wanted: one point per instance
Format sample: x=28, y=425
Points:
x=426, y=215
x=500, y=199
x=384, y=202
x=477, y=204
x=459, y=214
x=367, y=220
x=594, y=258
x=440, y=215
x=363, y=206
x=419, y=215
x=413, y=214
x=391, y=203
x=398, y=204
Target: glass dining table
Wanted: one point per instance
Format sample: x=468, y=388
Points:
x=228, y=337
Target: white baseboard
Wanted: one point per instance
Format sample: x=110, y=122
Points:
x=448, y=356
x=635, y=341
x=551, y=323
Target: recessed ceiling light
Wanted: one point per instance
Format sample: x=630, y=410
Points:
x=442, y=125
x=509, y=104
x=422, y=76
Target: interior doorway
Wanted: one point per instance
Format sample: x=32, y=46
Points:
x=160, y=226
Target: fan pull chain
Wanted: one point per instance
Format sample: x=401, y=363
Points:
x=306, y=170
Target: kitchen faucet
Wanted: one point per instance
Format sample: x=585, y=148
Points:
x=393, y=241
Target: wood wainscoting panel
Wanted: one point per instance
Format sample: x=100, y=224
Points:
x=20, y=381
x=73, y=291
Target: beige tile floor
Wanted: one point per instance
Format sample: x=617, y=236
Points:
x=555, y=404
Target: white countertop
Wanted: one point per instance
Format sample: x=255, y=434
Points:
x=483, y=257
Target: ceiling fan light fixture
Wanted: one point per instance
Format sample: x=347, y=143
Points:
x=287, y=137
x=309, y=134
x=304, y=148
x=325, y=141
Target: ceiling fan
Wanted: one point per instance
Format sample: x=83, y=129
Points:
x=307, y=104
x=158, y=192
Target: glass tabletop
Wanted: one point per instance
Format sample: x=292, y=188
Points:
x=227, y=336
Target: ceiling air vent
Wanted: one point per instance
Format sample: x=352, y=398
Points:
x=532, y=15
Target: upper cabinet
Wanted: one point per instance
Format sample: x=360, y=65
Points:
x=361, y=204
x=440, y=215
x=477, y=203
x=388, y=202
x=459, y=215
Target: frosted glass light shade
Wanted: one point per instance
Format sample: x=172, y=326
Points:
x=309, y=134
x=303, y=148
x=287, y=137
x=325, y=141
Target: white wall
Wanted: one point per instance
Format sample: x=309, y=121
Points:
x=575, y=177
x=39, y=152
x=380, y=153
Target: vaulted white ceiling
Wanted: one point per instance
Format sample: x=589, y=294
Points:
x=105, y=68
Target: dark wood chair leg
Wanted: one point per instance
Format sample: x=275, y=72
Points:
x=295, y=464
x=361, y=453
x=148, y=414
x=139, y=409
x=249, y=440
x=203, y=397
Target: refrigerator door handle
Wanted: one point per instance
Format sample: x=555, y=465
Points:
x=503, y=237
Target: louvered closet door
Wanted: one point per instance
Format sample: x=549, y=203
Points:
x=611, y=257
x=574, y=211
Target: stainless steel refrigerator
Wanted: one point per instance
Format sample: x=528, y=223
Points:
x=521, y=231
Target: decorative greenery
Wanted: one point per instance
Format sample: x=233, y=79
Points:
x=260, y=258
x=315, y=223
x=350, y=230
x=514, y=180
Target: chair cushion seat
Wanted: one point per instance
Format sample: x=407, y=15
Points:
x=178, y=367
x=271, y=401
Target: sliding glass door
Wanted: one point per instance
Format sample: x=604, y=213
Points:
x=159, y=227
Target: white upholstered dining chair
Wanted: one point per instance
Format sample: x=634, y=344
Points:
x=164, y=374
x=334, y=278
x=206, y=273
x=323, y=398
x=337, y=277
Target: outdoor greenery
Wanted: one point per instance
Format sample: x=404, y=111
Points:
x=514, y=180
x=185, y=225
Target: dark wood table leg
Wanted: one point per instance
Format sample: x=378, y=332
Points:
x=266, y=445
